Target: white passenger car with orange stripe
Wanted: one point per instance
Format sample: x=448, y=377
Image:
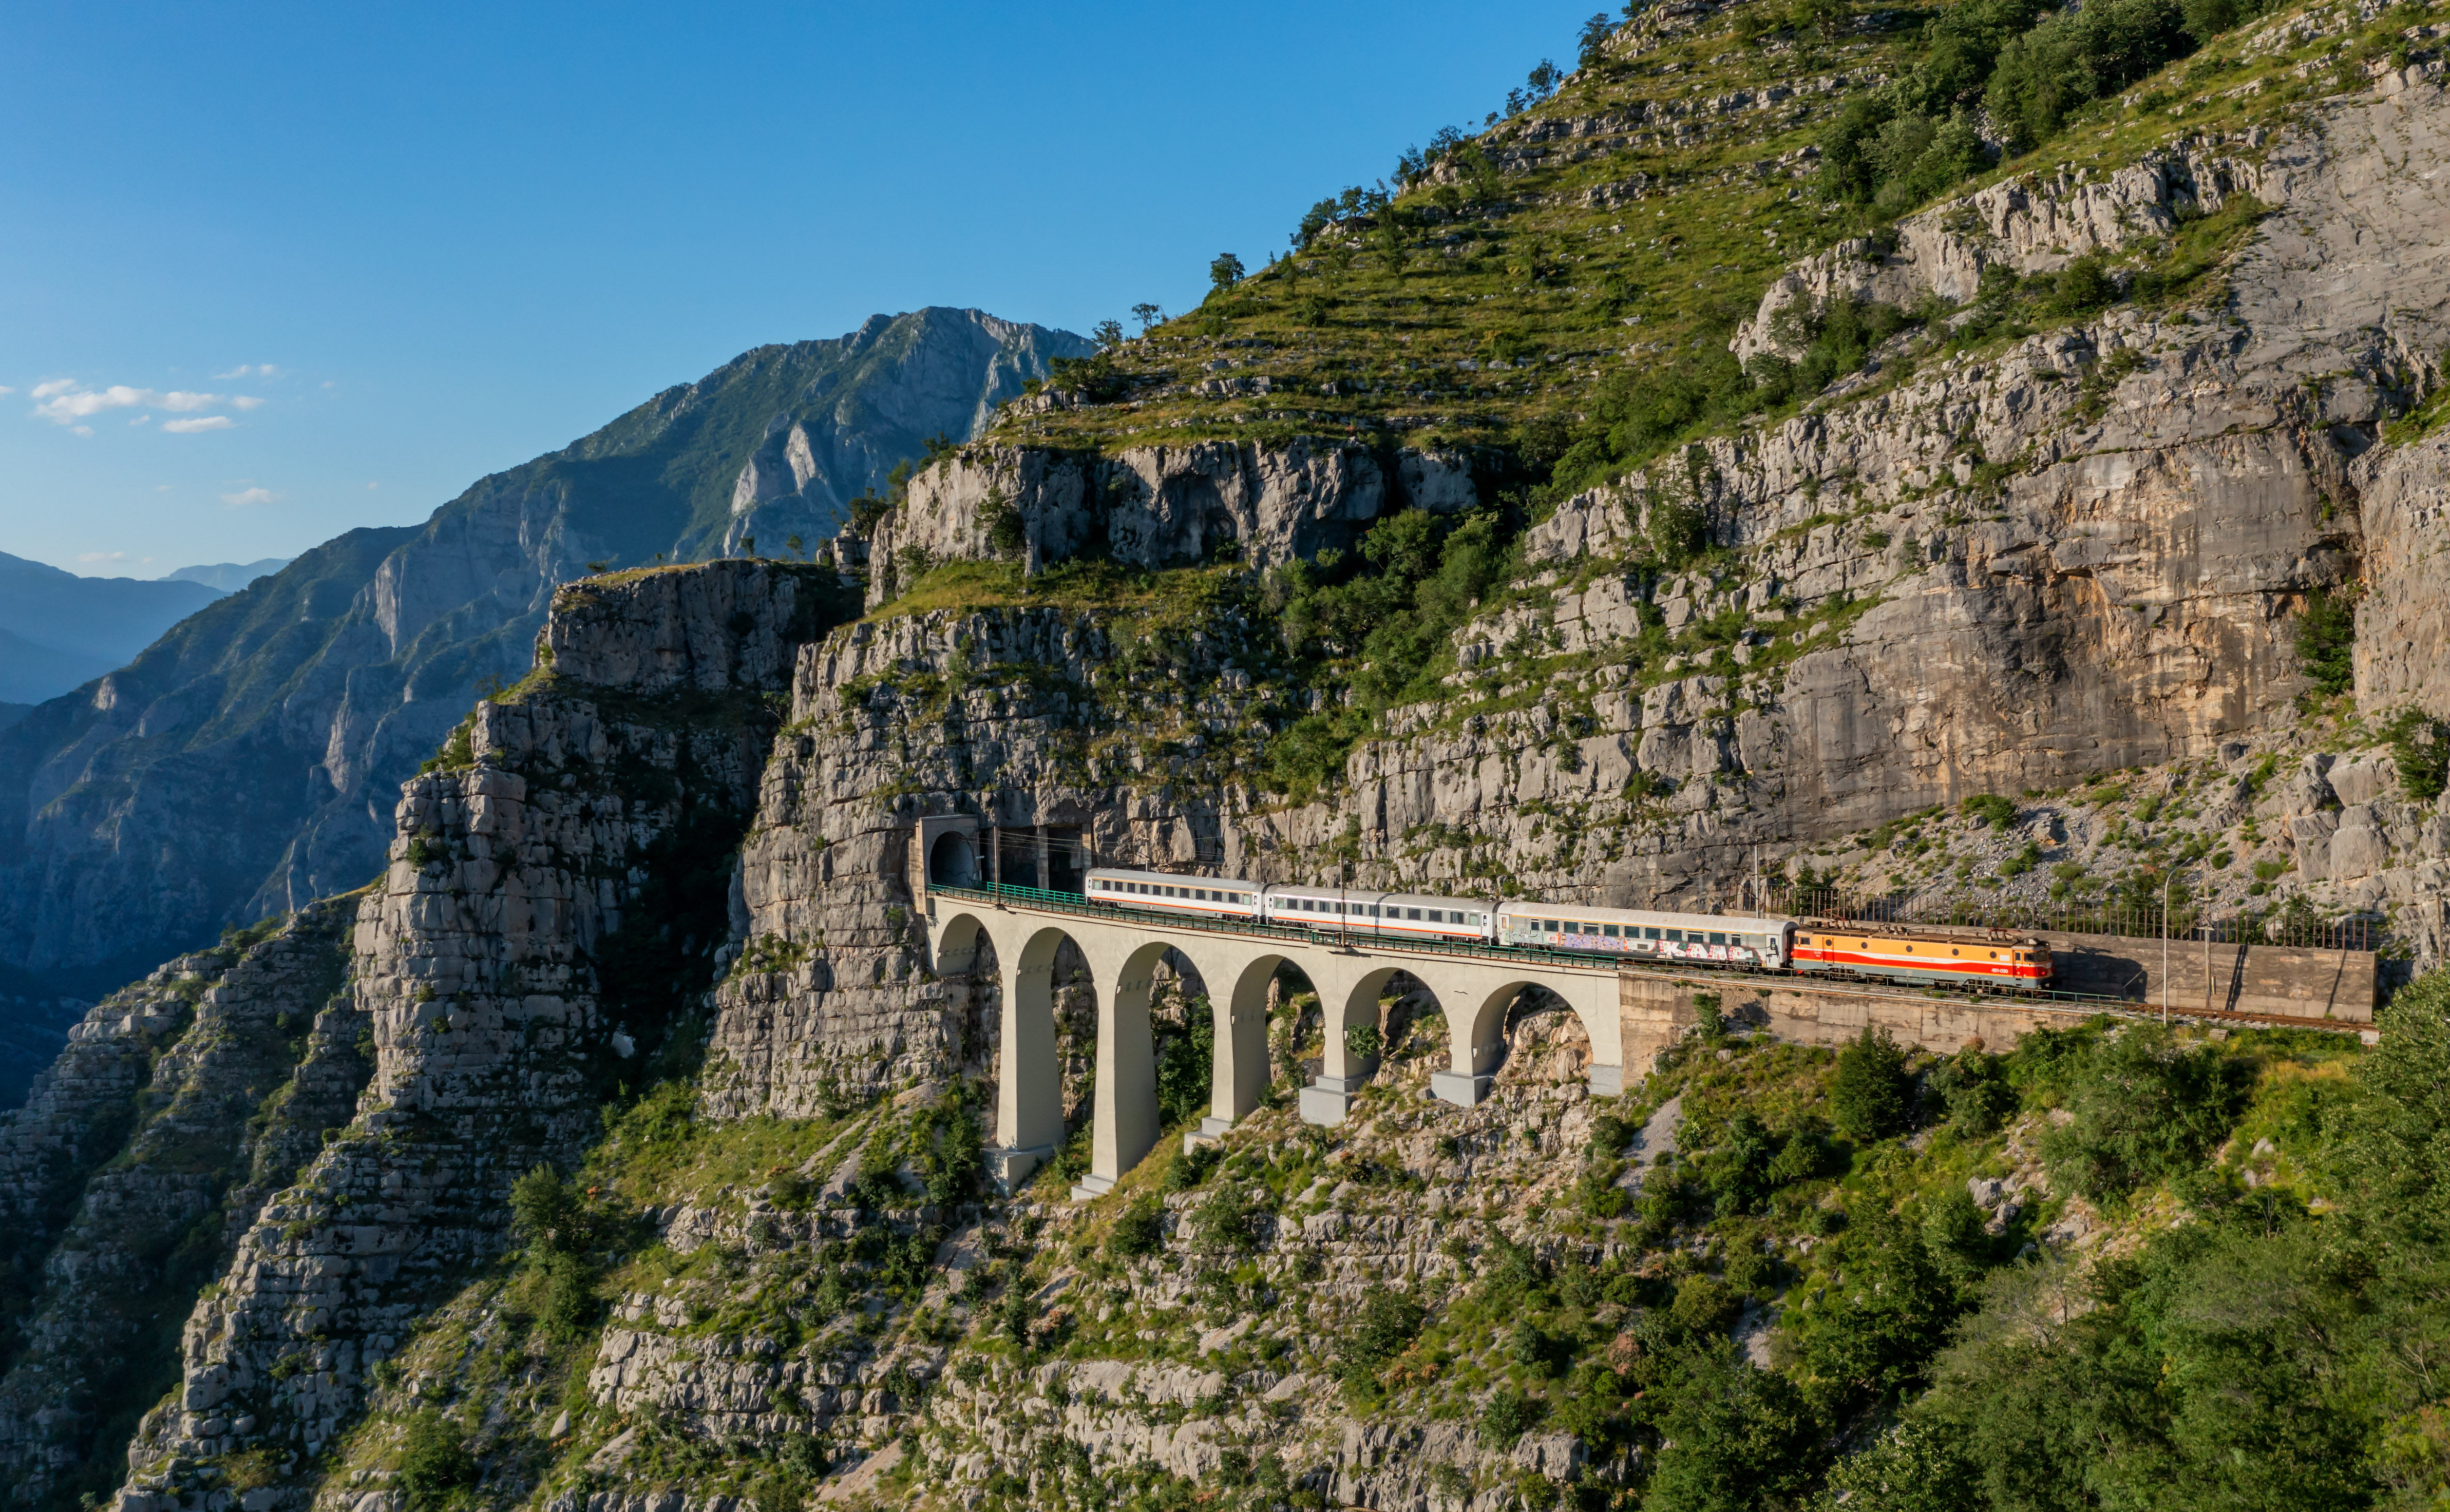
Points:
x=1702, y=940
x=1382, y=916
x=1200, y=897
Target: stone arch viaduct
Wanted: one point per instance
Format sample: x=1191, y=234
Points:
x=1235, y=963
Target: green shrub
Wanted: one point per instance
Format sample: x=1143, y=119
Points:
x=2075, y=57
x=1508, y=1416
x=1526, y=1345
x=1975, y=1090
x=2327, y=637
x=1953, y=1236
x=1186, y=1058
x=2082, y=288
x=1871, y=1095
x=2419, y=746
x=1732, y=1437
x=1361, y=1043
x=1704, y=1305
x=1192, y=1168
x=1383, y=1326
x=458, y=750
x=1226, y=1221
x=434, y=1463
x=1007, y=532
x=1992, y=809
x=1139, y=1229
x=2145, y=1109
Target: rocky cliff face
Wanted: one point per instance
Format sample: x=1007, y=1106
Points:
x=1159, y=505
x=179, y=1107
x=552, y=907
x=1998, y=573
x=247, y=762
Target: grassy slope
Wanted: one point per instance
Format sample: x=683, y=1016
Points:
x=1579, y=291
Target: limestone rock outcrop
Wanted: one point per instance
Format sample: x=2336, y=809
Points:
x=1159, y=506
x=551, y=913
x=253, y=1057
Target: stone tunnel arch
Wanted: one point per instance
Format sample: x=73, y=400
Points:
x=953, y=859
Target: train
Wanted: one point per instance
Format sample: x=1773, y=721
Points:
x=1988, y=960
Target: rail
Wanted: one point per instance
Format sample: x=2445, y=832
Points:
x=2047, y=998
x=2125, y=920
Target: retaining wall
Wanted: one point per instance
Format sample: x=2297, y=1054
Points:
x=2243, y=984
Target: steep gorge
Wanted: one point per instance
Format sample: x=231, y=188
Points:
x=648, y=922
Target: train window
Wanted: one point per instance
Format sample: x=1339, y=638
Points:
x=1608, y=930
x=1718, y=937
x=1411, y=912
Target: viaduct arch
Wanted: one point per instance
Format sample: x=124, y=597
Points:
x=1123, y=949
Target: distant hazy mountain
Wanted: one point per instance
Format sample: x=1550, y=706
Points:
x=58, y=630
x=229, y=576
x=249, y=760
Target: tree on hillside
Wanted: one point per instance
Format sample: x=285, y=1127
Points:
x=1593, y=43
x=1147, y=314
x=1544, y=79
x=1871, y=1095
x=1108, y=334
x=1225, y=272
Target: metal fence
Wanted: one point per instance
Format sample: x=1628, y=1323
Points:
x=2293, y=926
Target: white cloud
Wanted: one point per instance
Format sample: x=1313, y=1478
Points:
x=64, y=401
x=243, y=370
x=6, y=391
x=370, y=486
x=142, y=419
x=207, y=422
x=249, y=495
x=80, y=430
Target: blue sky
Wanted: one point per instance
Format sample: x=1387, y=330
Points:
x=269, y=272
